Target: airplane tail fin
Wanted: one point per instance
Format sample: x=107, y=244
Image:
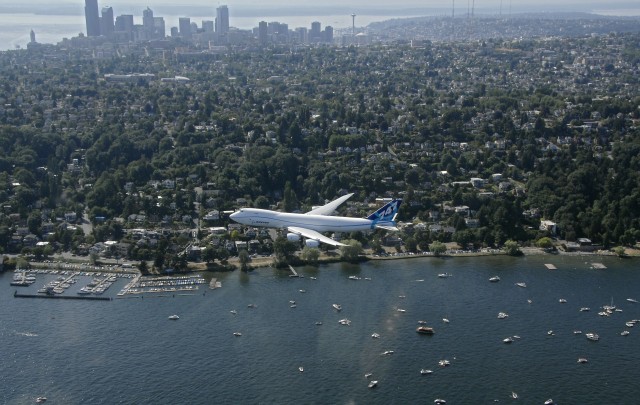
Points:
x=386, y=215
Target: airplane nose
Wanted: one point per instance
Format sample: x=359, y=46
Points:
x=234, y=215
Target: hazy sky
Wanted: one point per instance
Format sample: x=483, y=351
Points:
x=596, y=4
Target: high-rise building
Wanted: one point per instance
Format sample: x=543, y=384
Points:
x=208, y=26
x=222, y=20
x=315, y=34
x=147, y=20
x=158, y=25
x=107, y=22
x=263, y=33
x=92, y=18
x=184, y=24
x=328, y=34
x=32, y=35
x=124, y=24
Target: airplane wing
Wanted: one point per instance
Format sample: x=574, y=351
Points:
x=310, y=234
x=388, y=228
x=328, y=209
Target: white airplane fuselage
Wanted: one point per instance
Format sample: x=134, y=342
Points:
x=320, y=223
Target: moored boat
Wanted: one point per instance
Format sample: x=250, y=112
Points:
x=592, y=336
x=425, y=330
x=494, y=279
x=174, y=317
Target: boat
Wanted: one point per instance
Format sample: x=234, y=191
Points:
x=292, y=302
x=301, y=369
x=439, y=401
x=577, y=332
x=422, y=322
x=425, y=330
x=592, y=336
x=174, y=317
x=507, y=340
x=548, y=402
x=251, y=305
x=424, y=371
x=375, y=335
x=444, y=363
x=387, y=352
x=303, y=291
x=523, y=285
x=502, y=315
x=372, y=384
x=337, y=307
x=624, y=333
x=40, y=400
x=367, y=375
x=292, y=306
x=233, y=311
x=401, y=310
x=629, y=324
x=354, y=278
x=237, y=334
x=635, y=301
x=445, y=320
x=494, y=279
x=313, y=278
x=582, y=360
x=318, y=323
x=444, y=275
x=514, y=395
x=550, y=332
x=585, y=309
x=344, y=321
x=562, y=301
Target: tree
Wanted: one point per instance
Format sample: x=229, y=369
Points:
x=283, y=249
x=544, y=243
x=437, y=248
x=619, y=251
x=310, y=255
x=143, y=267
x=351, y=251
x=512, y=248
x=244, y=259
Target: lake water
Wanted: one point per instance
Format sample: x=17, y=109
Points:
x=127, y=351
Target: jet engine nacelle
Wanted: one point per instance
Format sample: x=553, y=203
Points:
x=293, y=237
x=312, y=243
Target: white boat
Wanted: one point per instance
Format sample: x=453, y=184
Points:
x=582, y=360
x=375, y=335
x=444, y=363
x=577, y=332
x=444, y=275
x=387, y=352
x=585, y=309
x=439, y=401
x=292, y=306
x=592, y=336
x=445, y=320
x=502, y=315
x=624, y=333
x=632, y=300
x=562, y=301
x=401, y=310
x=344, y=321
x=237, y=334
x=629, y=324
x=354, y=278
x=337, y=307
x=292, y=302
x=507, y=340
x=251, y=305
x=548, y=402
x=303, y=291
x=40, y=400
x=494, y=279
x=424, y=371
x=550, y=332
x=174, y=317
x=301, y=369
x=367, y=375
x=318, y=323
x=233, y=311
x=372, y=384
x=514, y=395
x=523, y=285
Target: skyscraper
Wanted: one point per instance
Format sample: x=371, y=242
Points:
x=107, y=22
x=92, y=17
x=184, y=23
x=222, y=23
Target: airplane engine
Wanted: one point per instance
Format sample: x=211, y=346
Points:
x=293, y=237
x=312, y=243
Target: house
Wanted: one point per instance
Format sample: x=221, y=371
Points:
x=548, y=226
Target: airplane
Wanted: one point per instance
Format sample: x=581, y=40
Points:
x=310, y=225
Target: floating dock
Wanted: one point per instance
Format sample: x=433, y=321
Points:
x=598, y=266
x=61, y=297
x=550, y=266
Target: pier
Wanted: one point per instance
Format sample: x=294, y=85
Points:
x=550, y=266
x=293, y=271
x=61, y=297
